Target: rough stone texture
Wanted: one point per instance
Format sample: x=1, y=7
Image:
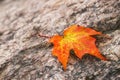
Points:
x=25, y=56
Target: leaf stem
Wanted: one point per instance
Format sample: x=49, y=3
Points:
x=45, y=36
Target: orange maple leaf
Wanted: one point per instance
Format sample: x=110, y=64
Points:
x=77, y=38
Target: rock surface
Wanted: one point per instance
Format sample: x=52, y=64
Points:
x=25, y=56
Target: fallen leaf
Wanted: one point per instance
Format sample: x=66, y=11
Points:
x=77, y=38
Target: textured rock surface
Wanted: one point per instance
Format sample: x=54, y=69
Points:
x=25, y=56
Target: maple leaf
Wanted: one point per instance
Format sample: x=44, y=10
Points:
x=77, y=38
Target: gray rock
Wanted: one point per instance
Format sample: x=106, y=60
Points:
x=26, y=56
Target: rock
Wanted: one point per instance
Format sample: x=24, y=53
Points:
x=25, y=56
